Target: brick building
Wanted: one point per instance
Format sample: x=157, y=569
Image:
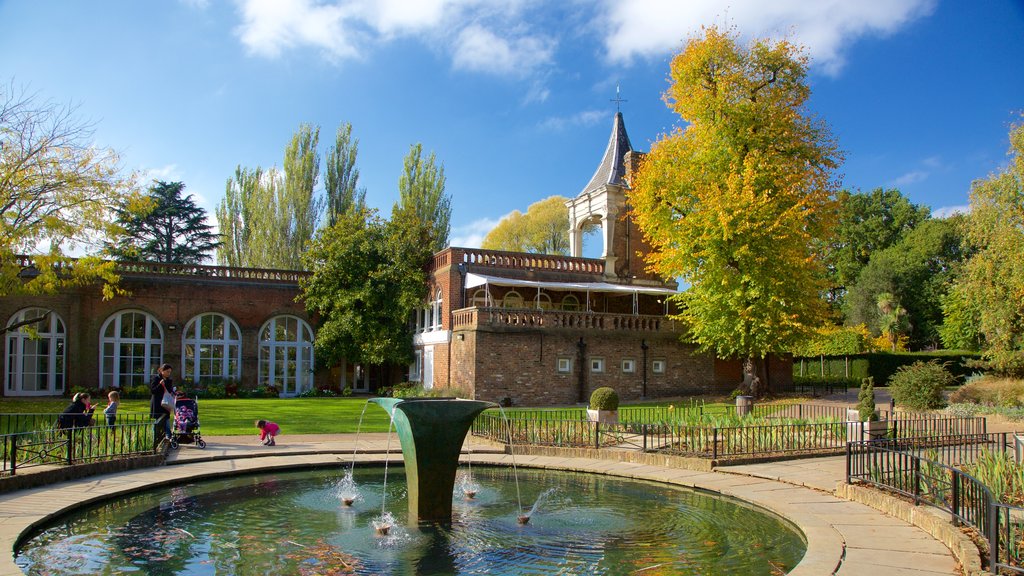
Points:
x=531, y=329
x=525, y=329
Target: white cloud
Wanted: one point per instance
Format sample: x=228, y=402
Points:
x=166, y=173
x=947, y=211
x=479, y=49
x=196, y=4
x=912, y=177
x=272, y=26
x=584, y=118
x=472, y=234
x=826, y=27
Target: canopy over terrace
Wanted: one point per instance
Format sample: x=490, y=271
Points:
x=476, y=280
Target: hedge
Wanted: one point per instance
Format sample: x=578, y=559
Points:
x=881, y=365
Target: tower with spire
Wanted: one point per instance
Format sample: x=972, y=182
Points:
x=603, y=202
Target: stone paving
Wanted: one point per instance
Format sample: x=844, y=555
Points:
x=843, y=537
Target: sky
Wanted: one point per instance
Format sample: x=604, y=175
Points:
x=513, y=96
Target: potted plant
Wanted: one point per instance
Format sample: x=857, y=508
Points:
x=604, y=406
x=867, y=424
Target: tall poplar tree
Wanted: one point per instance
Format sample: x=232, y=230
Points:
x=341, y=177
x=299, y=209
x=736, y=203
x=421, y=192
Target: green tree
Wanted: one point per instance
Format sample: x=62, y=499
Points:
x=421, y=192
x=961, y=321
x=246, y=198
x=993, y=279
x=341, y=179
x=736, y=203
x=367, y=277
x=299, y=209
x=58, y=193
x=174, y=230
x=544, y=229
x=868, y=223
x=918, y=272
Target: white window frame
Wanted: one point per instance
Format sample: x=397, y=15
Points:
x=152, y=341
x=564, y=365
x=628, y=366
x=416, y=368
x=51, y=366
x=230, y=347
x=436, y=306
x=597, y=365
x=658, y=366
x=273, y=352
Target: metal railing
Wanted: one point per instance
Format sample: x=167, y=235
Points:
x=901, y=466
x=69, y=446
x=760, y=437
x=13, y=423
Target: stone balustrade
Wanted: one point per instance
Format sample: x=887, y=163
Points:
x=136, y=269
x=517, y=260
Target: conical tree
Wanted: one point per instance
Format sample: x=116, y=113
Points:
x=174, y=231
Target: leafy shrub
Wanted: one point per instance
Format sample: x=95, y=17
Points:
x=604, y=398
x=866, y=400
x=991, y=391
x=921, y=386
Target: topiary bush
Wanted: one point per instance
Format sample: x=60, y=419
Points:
x=921, y=385
x=866, y=400
x=604, y=398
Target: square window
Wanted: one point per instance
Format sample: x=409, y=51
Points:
x=629, y=366
x=658, y=366
x=597, y=364
x=564, y=365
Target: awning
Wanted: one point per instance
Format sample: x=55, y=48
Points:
x=474, y=280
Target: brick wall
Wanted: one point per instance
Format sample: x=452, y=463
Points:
x=172, y=301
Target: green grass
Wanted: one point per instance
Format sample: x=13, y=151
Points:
x=236, y=416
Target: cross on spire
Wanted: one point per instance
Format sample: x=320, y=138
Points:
x=618, y=100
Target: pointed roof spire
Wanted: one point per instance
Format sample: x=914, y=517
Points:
x=612, y=169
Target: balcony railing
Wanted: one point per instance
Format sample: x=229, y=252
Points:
x=469, y=318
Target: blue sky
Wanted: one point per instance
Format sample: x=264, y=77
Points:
x=513, y=96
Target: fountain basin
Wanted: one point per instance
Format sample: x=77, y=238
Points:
x=284, y=522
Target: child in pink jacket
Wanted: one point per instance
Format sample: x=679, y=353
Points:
x=267, y=432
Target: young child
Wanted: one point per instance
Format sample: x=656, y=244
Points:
x=110, y=412
x=267, y=432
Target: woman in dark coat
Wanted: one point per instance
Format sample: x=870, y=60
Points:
x=161, y=383
x=77, y=414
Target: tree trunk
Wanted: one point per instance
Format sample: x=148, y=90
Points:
x=755, y=376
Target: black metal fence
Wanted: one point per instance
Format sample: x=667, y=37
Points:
x=761, y=437
x=61, y=447
x=31, y=422
x=901, y=466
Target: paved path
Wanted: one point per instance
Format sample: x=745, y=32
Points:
x=844, y=538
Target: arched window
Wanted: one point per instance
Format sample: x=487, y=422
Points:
x=286, y=355
x=512, y=300
x=570, y=303
x=36, y=353
x=479, y=299
x=131, y=349
x=211, y=349
x=544, y=301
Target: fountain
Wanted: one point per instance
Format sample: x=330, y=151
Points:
x=431, y=432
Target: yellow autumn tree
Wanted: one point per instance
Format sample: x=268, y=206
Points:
x=738, y=201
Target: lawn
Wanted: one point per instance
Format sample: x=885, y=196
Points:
x=237, y=416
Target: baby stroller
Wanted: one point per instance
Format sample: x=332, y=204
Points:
x=186, y=423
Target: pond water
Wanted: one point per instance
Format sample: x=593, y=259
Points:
x=295, y=523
